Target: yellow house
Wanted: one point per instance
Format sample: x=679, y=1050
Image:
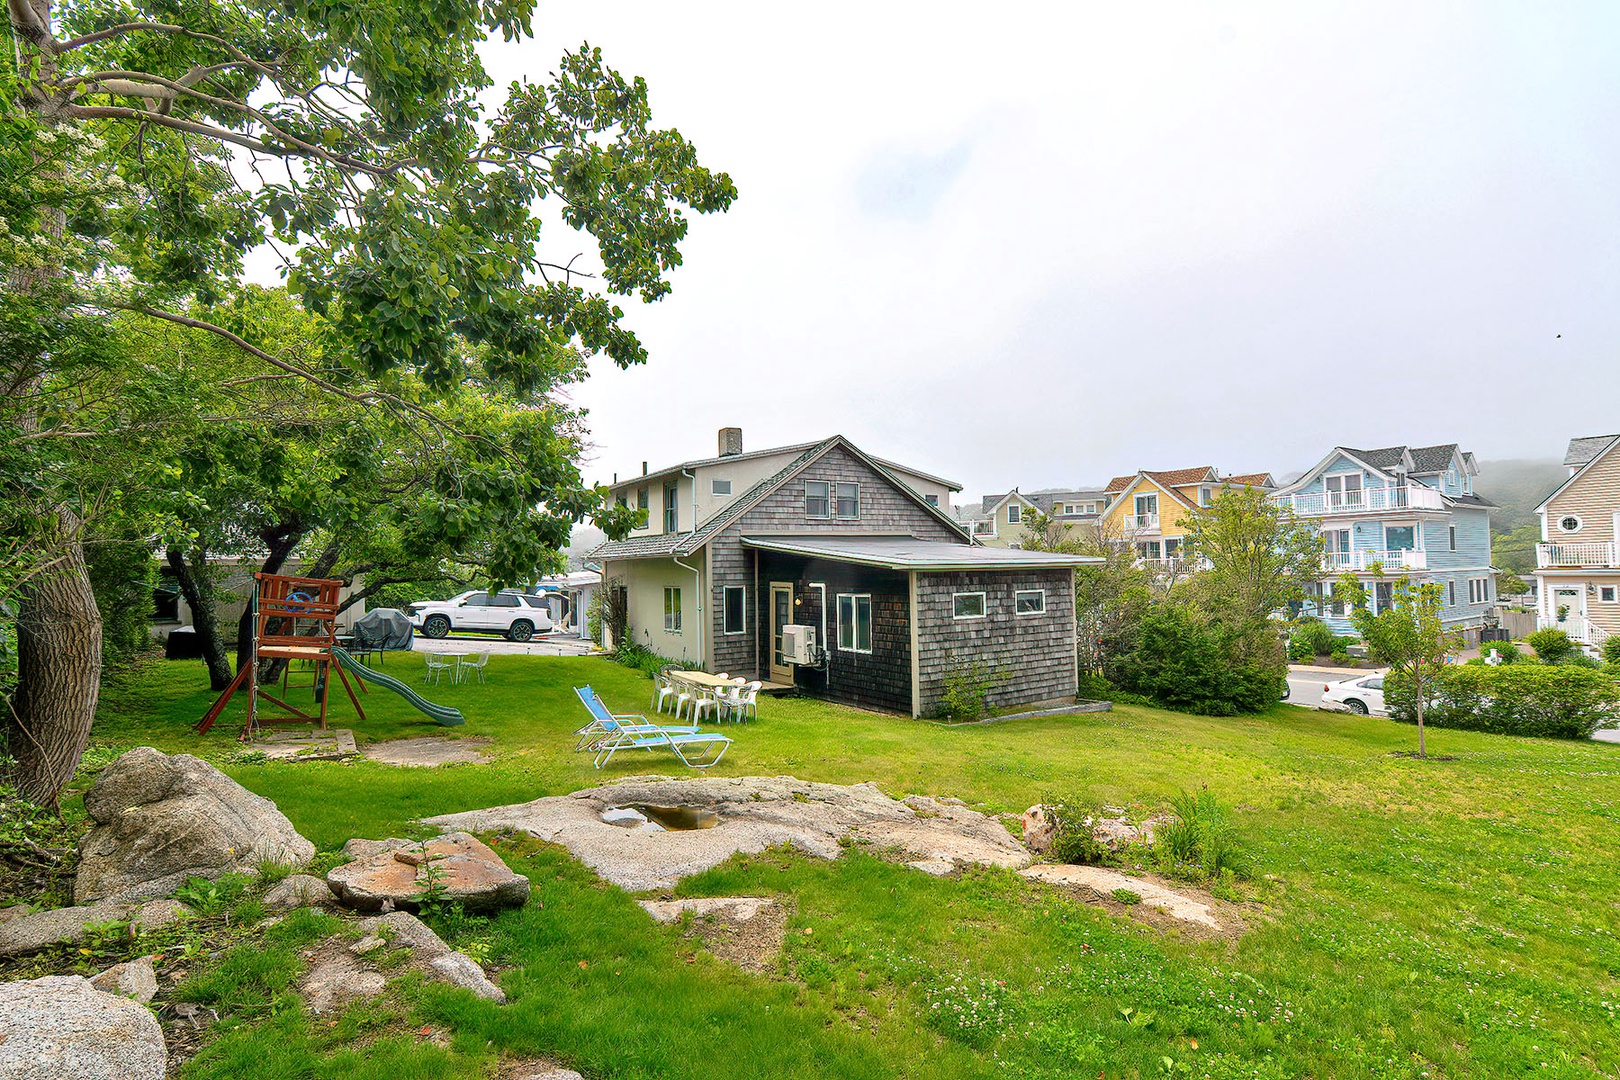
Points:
x=1150, y=509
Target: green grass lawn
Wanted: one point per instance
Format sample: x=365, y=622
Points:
x=1451, y=918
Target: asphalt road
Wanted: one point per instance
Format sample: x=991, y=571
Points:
x=1305, y=685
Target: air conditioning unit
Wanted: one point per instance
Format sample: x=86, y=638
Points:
x=799, y=644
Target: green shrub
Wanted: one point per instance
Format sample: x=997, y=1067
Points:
x=1611, y=649
x=1340, y=658
x=1555, y=701
x=643, y=659
x=1508, y=651
x=968, y=683
x=122, y=575
x=1311, y=638
x=1199, y=841
x=1183, y=662
x=1552, y=645
x=1072, y=839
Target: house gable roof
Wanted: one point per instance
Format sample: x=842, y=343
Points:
x=1171, y=478
x=797, y=448
x=1153, y=479
x=1586, y=448
x=1254, y=479
x=1610, y=442
x=680, y=544
x=991, y=505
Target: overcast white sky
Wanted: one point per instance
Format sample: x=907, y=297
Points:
x=1044, y=244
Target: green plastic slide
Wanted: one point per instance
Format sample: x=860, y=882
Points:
x=444, y=714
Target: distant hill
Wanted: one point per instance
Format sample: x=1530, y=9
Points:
x=1517, y=488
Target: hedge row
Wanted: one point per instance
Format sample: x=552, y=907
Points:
x=1550, y=701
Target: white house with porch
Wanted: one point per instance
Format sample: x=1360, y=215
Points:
x=1577, y=568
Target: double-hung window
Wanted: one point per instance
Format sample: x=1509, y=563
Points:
x=849, y=500
x=1147, y=511
x=1015, y=514
x=734, y=609
x=968, y=605
x=641, y=499
x=855, y=622
x=672, y=511
x=817, y=495
x=1029, y=602
x=672, y=609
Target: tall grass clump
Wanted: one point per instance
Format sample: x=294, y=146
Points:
x=1199, y=842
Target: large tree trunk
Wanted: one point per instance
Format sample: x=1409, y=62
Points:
x=197, y=586
x=58, y=665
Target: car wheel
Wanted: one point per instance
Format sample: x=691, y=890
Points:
x=435, y=626
x=1357, y=706
x=522, y=630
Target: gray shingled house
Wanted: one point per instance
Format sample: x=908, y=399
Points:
x=893, y=590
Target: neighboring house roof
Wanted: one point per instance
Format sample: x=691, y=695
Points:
x=1610, y=442
x=1119, y=483
x=1204, y=474
x=1253, y=479
x=1419, y=460
x=1472, y=500
x=910, y=553
x=1389, y=457
x=699, y=463
x=990, y=505
x=679, y=544
x=1586, y=448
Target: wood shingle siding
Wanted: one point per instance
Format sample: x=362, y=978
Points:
x=884, y=509
x=1032, y=656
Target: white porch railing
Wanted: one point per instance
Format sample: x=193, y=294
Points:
x=1367, y=500
x=1600, y=553
x=1400, y=559
x=1578, y=627
x=1143, y=521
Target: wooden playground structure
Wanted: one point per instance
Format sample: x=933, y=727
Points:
x=292, y=618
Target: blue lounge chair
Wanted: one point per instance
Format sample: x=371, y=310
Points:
x=608, y=734
x=601, y=716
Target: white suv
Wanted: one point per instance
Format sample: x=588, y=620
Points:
x=515, y=615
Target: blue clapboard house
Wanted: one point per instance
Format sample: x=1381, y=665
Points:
x=1399, y=511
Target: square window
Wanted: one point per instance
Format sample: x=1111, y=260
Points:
x=931, y=500
x=1029, y=601
x=735, y=609
x=968, y=605
x=855, y=622
x=849, y=500
x=816, y=498
x=719, y=487
x=1606, y=594
x=672, y=610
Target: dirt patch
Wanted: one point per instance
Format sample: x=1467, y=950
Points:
x=744, y=930
x=331, y=745
x=428, y=752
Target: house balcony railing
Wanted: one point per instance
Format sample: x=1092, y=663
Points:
x=1142, y=522
x=1365, y=501
x=1400, y=559
x=1599, y=553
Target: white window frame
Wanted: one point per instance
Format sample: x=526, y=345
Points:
x=1143, y=499
x=1451, y=593
x=725, y=609
x=984, y=605
x=1015, y=514
x=826, y=499
x=1580, y=523
x=932, y=500
x=854, y=622
x=1451, y=537
x=719, y=486
x=672, y=507
x=1610, y=589
x=1205, y=499
x=837, y=498
x=1019, y=593
x=672, y=613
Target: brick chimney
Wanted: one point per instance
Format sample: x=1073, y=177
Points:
x=730, y=441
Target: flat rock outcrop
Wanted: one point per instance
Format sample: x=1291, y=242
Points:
x=162, y=819
x=63, y=1028
x=135, y=979
x=751, y=813
x=1104, y=882
x=395, y=874
x=64, y=926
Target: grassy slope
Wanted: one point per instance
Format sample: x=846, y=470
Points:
x=1452, y=918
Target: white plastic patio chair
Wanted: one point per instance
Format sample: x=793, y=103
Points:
x=437, y=666
x=472, y=666
x=749, y=702
x=663, y=689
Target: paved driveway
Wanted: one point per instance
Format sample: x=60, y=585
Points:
x=470, y=643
